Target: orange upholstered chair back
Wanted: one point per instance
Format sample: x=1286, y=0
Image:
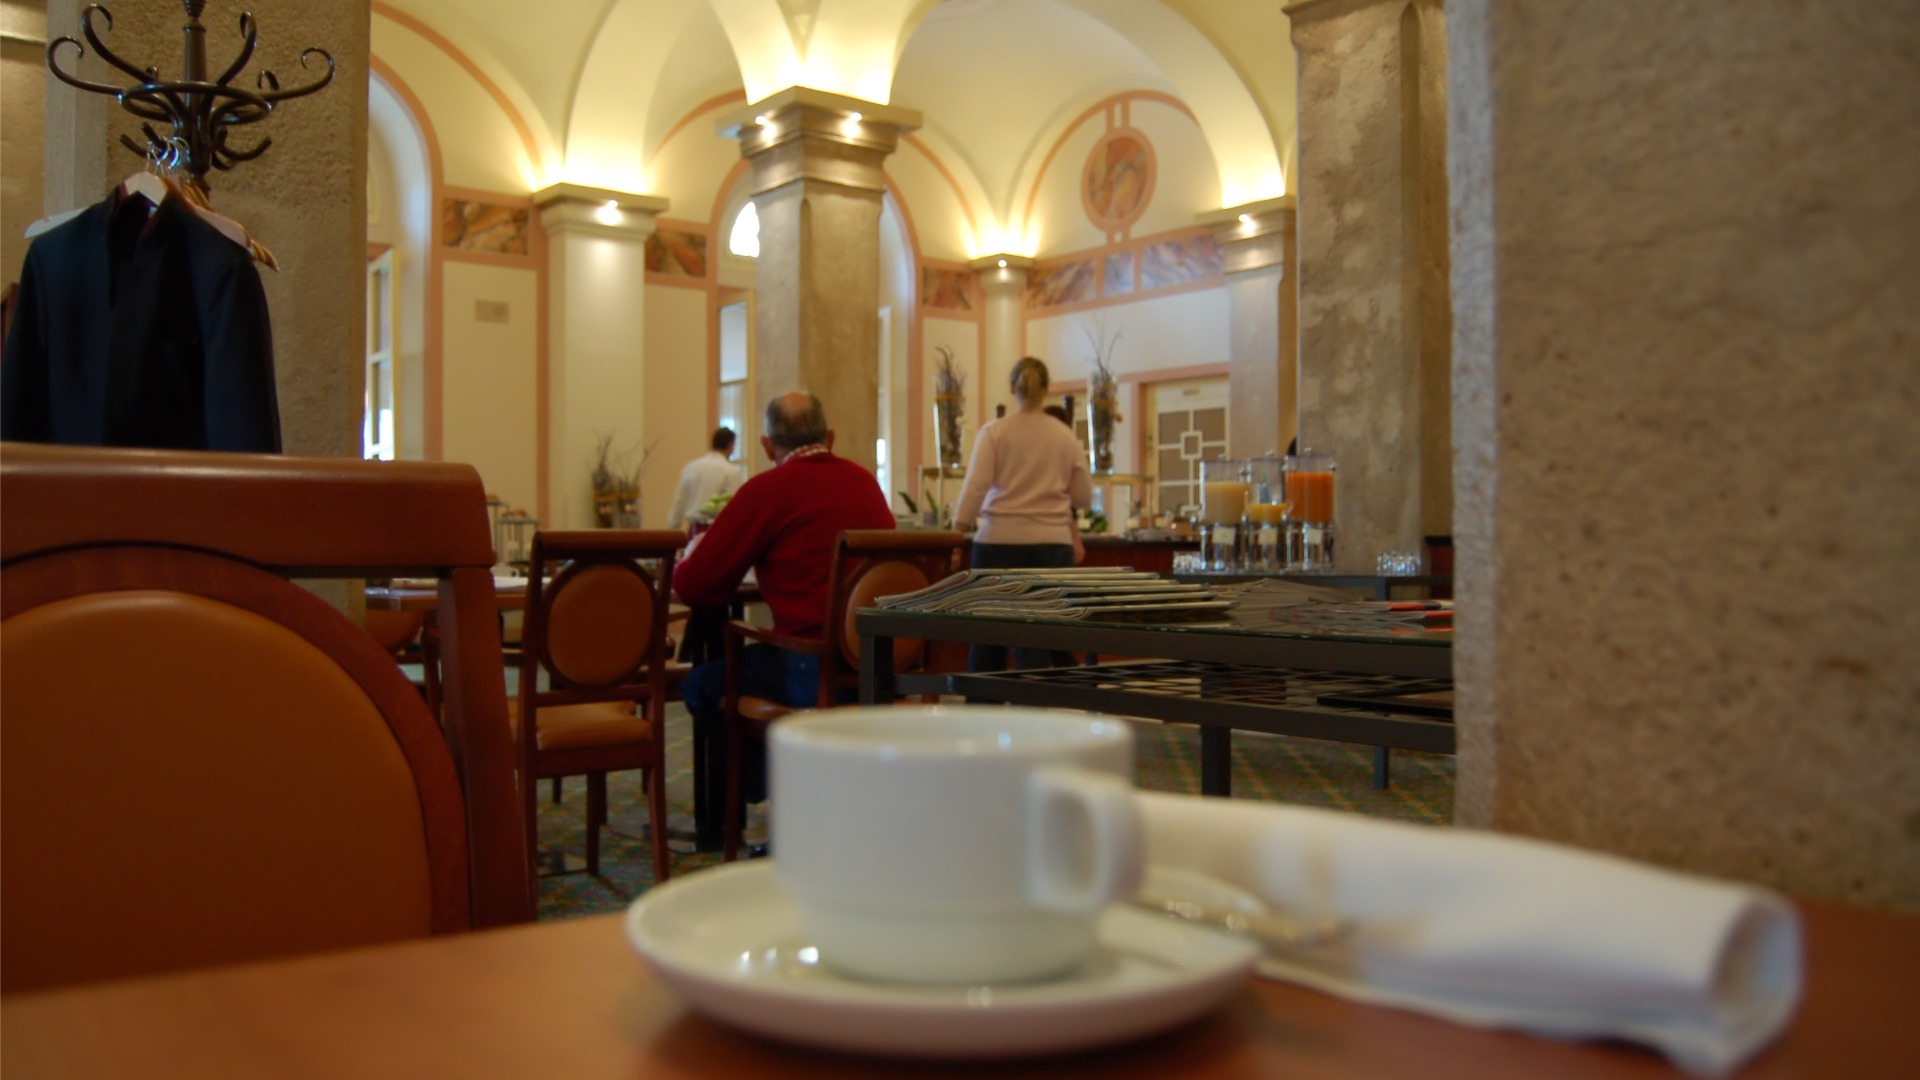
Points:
x=206, y=763
x=597, y=626
x=874, y=563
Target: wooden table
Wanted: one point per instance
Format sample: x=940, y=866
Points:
x=424, y=598
x=570, y=999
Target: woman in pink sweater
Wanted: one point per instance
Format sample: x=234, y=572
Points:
x=1027, y=476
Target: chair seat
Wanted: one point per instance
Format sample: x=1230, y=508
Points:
x=762, y=711
x=598, y=723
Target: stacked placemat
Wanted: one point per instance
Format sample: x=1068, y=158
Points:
x=1102, y=593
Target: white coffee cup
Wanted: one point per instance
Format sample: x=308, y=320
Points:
x=953, y=844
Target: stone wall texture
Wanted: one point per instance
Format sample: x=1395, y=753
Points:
x=305, y=199
x=1373, y=309
x=1686, y=257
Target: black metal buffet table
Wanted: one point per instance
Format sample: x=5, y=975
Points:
x=1218, y=677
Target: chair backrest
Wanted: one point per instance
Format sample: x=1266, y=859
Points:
x=596, y=617
x=872, y=563
x=204, y=762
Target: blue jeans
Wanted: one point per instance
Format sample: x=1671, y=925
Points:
x=789, y=678
x=1011, y=557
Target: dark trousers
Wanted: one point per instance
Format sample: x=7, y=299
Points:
x=1015, y=557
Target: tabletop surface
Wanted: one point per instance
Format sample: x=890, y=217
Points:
x=570, y=999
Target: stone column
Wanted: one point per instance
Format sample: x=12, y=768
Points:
x=1685, y=264
x=1259, y=255
x=1374, y=323
x=817, y=184
x=1003, y=284
x=596, y=337
x=305, y=199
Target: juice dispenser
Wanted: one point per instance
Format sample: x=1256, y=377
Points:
x=1264, y=526
x=1310, y=522
x=1223, y=503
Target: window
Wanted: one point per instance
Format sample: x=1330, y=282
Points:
x=744, y=238
x=734, y=406
x=376, y=423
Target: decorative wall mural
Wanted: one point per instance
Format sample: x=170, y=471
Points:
x=471, y=225
x=949, y=289
x=1065, y=283
x=677, y=252
x=1119, y=276
x=1118, y=179
x=1178, y=261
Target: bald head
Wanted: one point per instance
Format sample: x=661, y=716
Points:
x=795, y=420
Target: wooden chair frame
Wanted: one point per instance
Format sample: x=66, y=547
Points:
x=233, y=528
x=645, y=676
x=858, y=554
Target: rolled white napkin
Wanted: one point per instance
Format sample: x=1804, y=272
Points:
x=1502, y=931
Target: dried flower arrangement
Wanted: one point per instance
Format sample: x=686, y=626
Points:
x=949, y=406
x=1103, y=397
x=616, y=484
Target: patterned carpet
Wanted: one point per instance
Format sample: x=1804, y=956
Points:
x=1302, y=771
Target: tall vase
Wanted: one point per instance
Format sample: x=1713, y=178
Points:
x=948, y=410
x=1102, y=407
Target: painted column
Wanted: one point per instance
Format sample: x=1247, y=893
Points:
x=1374, y=323
x=596, y=339
x=1258, y=253
x=1003, y=284
x=817, y=185
x=1684, y=270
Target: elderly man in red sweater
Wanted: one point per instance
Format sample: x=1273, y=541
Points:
x=783, y=525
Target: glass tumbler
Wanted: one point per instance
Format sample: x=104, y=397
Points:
x=1264, y=526
x=1310, y=476
x=1223, y=503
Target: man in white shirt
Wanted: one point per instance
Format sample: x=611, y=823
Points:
x=704, y=477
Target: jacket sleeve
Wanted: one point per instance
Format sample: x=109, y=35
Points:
x=242, y=402
x=711, y=573
x=25, y=407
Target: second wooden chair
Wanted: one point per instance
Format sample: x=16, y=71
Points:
x=596, y=630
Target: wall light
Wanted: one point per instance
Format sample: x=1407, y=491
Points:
x=1246, y=219
x=608, y=214
x=1003, y=264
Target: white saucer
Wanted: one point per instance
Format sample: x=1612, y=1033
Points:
x=729, y=940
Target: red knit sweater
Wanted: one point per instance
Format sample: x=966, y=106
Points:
x=783, y=524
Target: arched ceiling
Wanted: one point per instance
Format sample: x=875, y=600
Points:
x=995, y=79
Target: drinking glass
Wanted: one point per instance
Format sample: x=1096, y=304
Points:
x=1310, y=476
x=1223, y=504
x=1265, y=522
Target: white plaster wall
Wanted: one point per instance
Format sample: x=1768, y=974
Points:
x=690, y=168
x=1181, y=330
x=479, y=145
x=596, y=384
x=1186, y=182
x=678, y=425
x=489, y=416
x=939, y=222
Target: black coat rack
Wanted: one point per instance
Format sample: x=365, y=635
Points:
x=200, y=113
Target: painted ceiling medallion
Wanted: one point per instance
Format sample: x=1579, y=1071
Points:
x=1118, y=179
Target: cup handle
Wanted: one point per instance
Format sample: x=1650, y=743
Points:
x=1084, y=844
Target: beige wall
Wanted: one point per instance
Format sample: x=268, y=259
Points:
x=1685, y=347
x=491, y=415
x=23, y=77
x=675, y=409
